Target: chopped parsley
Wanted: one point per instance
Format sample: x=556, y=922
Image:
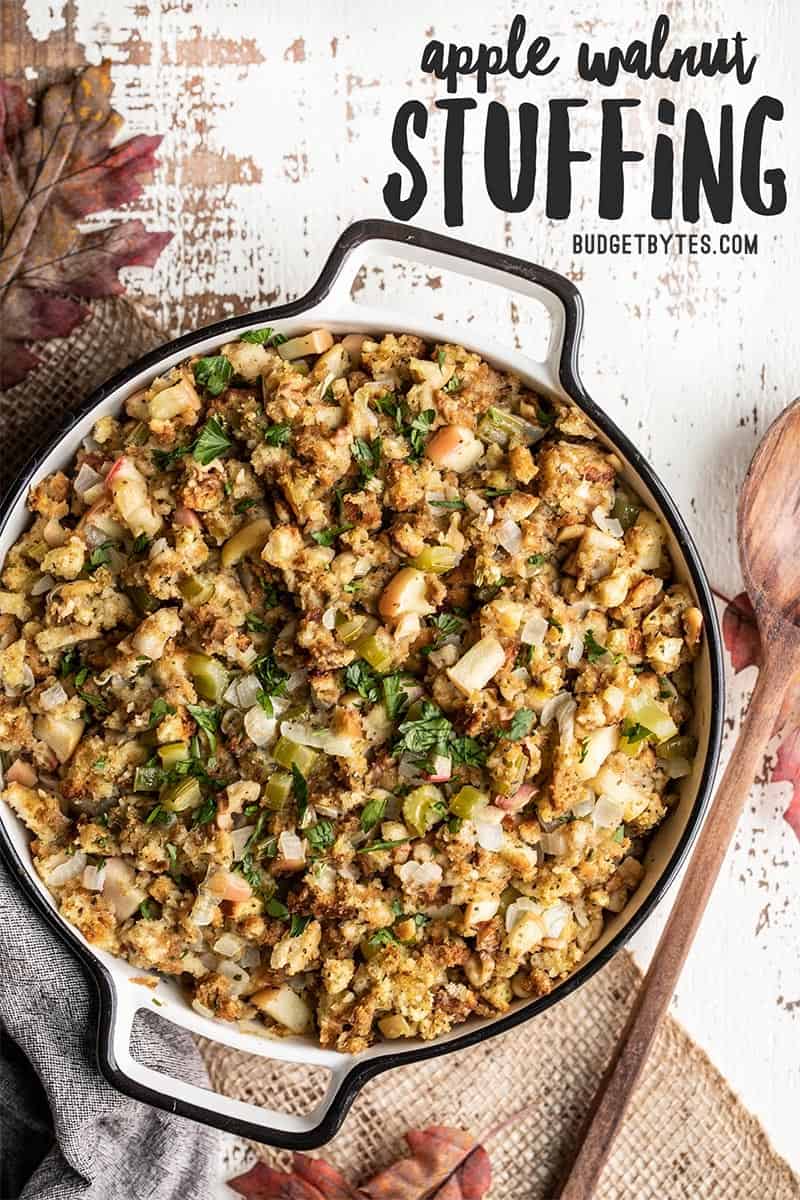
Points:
x=520, y=725
x=242, y=506
x=537, y=560
x=321, y=836
x=492, y=493
x=360, y=677
x=453, y=384
x=382, y=845
x=254, y=624
x=394, y=692
x=212, y=442
x=298, y=924
x=441, y=358
x=431, y=734
x=70, y=662
x=584, y=749
x=418, y=431
x=272, y=679
x=633, y=732
x=619, y=834
x=276, y=908
x=299, y=790
x=372, y=813
x=158, y=816
x=594, y=651
x=206, y=812
x=262, y=337
x=148, y=910
x=455, y=505
x=208, y=720
x=140, y=543
x=381, y=937
x=367, y=456
x=158, y=710
x=214, y=373
x=94, y=701
x=326, y=537
x=165, y=460
x=99, y=557
x=278, y=435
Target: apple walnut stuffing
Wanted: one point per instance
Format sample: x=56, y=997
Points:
x=343, y=680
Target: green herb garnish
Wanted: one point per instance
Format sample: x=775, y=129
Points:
x=262, y=337
x=242, y=506
x=326, y=537
x=214, y=374
x=212, y=442
x=594, y=650
x=321, y=836
x=278, y=435
x=158, y=710
x=372, y=813
x=298, y=924
x=360, y=677
x=520, y=725
x=208, y=720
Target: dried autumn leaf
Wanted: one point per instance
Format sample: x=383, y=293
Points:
x=53, y=173
x=740, y=634
x=309, y=1179
x=445, y=1164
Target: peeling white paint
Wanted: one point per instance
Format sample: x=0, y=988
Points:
x=44, y=18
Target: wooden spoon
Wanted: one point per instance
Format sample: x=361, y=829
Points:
x=769, y=540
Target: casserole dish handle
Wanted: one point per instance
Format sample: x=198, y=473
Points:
x=560, y=297
x=271, y=1126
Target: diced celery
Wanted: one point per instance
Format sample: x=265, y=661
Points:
x=436, y=559
x=250, y=537
x=466, y=802
x=172, y=753
x=278, y=790
x=196, y=590
x=288, y=754
x=141, y=600
x=208, y=674
x=625, y=509
x=423, y=808
x=148, y=779
x=351, y=630
x=682, y=746
x=375, y=653
x=501, y=427
x=177, y=797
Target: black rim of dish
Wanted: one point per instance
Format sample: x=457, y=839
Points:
x=357, y=234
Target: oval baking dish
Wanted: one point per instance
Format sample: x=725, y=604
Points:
x=328, y=304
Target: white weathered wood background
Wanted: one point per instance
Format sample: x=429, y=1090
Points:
x=278, y=121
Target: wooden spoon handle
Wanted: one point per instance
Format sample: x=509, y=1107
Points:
x=611, y=1100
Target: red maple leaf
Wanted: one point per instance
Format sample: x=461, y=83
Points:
x=54, y=172
x=444, y=1164
x=740, y=634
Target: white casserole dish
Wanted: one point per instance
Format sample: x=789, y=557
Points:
x=329, y=304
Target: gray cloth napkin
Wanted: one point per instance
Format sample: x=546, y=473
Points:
x=66, y=1134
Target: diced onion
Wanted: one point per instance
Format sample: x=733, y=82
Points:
x=319, y=739
x=607, y=813
x=509, y=535
x=85, y=479
x=533, y=631
x=606, y=524
x=52, y=697
x=259, y=727
x=562, y=708
x=584, y=807
x=94, y=878
x=204, y=908
x=65, y=871
x=235, y=973
x=555, y=918
x=554, y=843
x=243, y=692
x=158, y=547
x=489, y=829
x=203, y=1009
x=94, y=536
x=517, y=909
x=296, y=680
x=240, y=838
x=43, y=585
x=291, y=847
x=329, y=618
x=575, y=652
x=229, y=945
x=420, y=874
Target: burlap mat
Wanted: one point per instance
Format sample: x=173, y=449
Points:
x=687, y=1134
